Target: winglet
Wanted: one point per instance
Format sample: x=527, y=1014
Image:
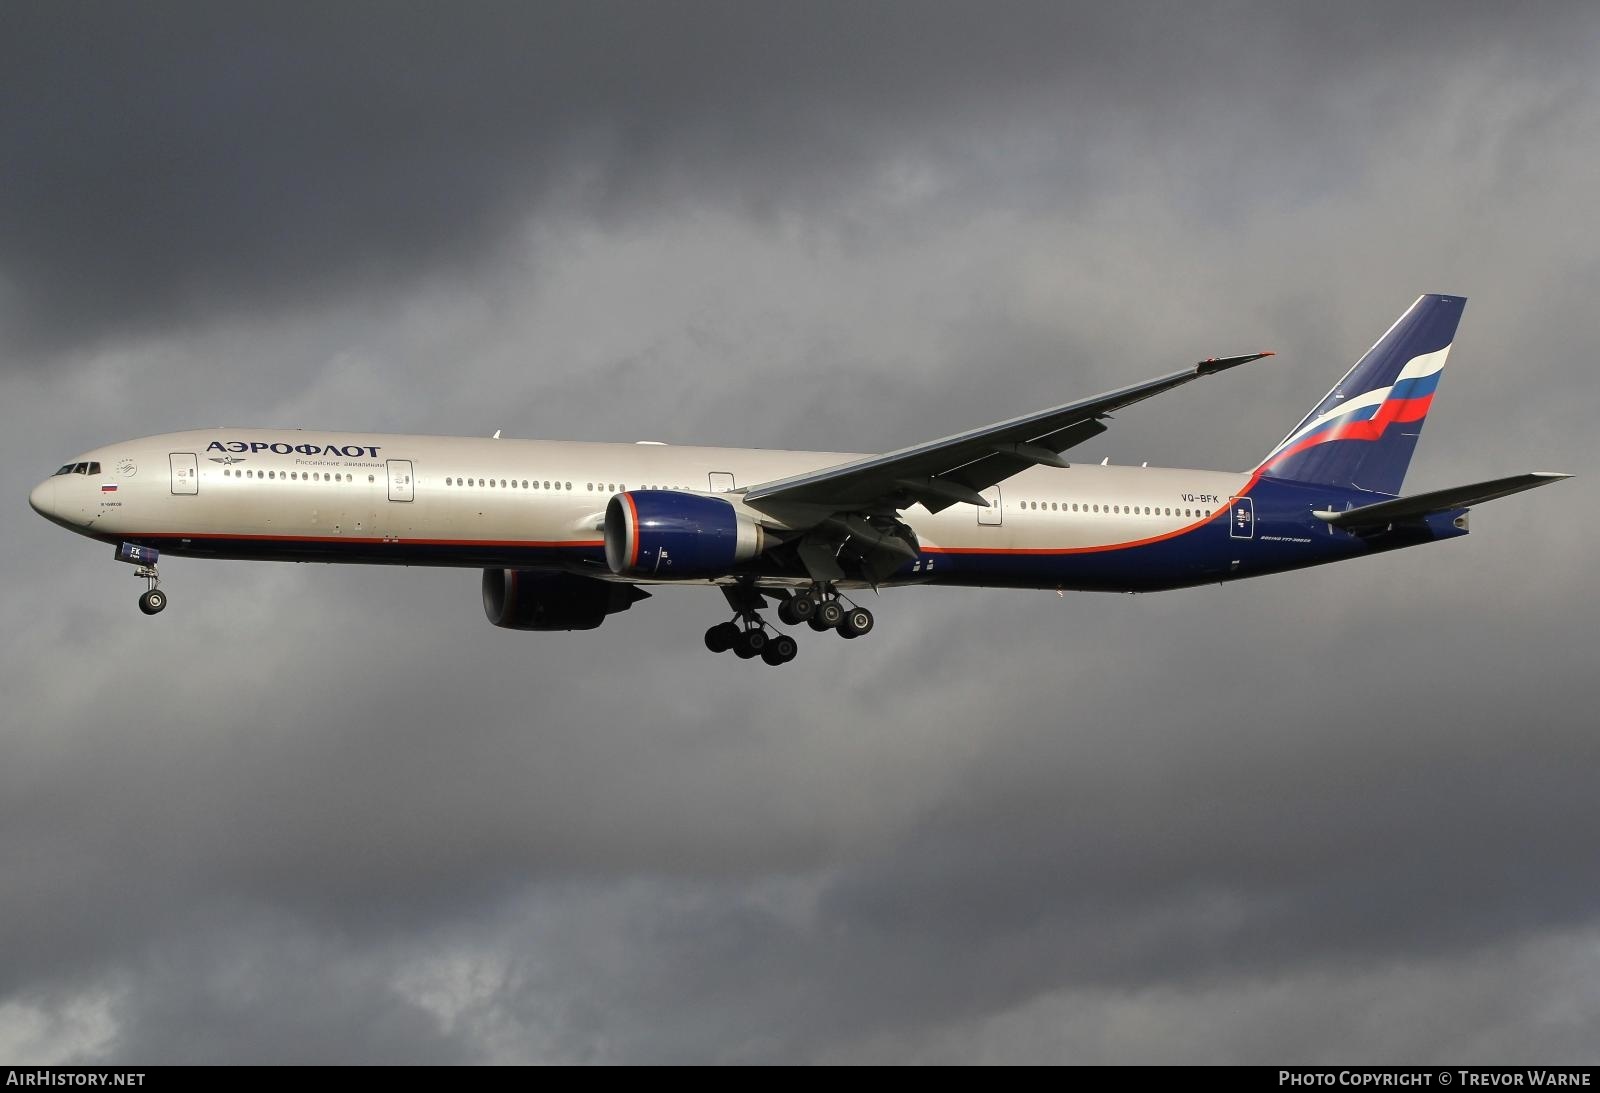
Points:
x=1220, y=364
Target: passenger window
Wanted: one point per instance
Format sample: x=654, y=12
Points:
x=567, y=486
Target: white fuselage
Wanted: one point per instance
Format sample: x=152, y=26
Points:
x=268, y=492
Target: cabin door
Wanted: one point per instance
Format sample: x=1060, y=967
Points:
x=185, y=472
x=1241, y=518
x=401, y=488
x=995, y=513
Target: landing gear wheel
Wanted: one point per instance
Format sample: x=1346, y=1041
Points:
x=780, y=650
x=816, y=623
x=856, y=622
x=786, y=613
x=750, y=644
x=720, y=638
x=802, y=605
x=152, y=602
x=829, y=613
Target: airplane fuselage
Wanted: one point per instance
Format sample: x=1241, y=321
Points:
x=294, y=495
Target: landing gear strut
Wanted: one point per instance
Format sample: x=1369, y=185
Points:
x=153, y=600
x=749, y=636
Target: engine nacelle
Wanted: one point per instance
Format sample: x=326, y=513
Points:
x=525, y=599
x=664, y=534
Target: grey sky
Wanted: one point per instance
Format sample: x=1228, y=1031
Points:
x=319, y=813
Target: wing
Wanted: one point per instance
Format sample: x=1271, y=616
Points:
x=954, y=470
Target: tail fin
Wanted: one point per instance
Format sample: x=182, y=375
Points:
x=1363, y=433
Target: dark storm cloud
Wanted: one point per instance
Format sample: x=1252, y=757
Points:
x=167, y=162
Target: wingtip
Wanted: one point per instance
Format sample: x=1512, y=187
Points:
x=1217, y=364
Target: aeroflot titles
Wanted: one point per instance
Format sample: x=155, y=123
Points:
x=349, y=451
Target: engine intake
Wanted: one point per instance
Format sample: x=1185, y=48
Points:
x=666, y=535
x=523, y=599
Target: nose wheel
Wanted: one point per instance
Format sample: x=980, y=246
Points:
x=154, y=601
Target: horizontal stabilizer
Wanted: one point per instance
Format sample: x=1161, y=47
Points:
x=1425, y=504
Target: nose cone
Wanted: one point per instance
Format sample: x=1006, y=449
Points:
x=43, y=499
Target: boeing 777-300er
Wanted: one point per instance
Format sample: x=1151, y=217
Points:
x=567, y=533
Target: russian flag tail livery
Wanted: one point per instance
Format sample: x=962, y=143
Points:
x=1363, y=433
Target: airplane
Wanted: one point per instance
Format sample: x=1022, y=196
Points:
x=569, y=533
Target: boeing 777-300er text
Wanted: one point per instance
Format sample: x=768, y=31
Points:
x=567, y=533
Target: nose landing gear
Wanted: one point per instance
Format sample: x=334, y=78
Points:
x=154, y=600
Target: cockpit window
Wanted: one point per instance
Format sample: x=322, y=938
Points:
x=94, y=468
x=78, y=468
x=64, y=470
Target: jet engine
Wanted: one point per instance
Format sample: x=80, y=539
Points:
x=665, y=534
x=525, y=599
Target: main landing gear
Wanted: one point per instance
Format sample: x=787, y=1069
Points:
x=748, y=635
